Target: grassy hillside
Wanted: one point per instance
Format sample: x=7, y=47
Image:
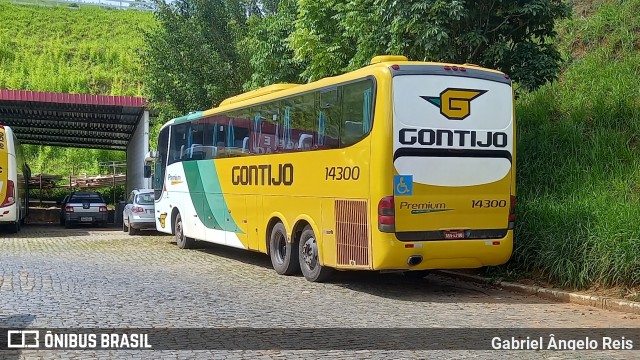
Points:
x=87, y=50
x=579, y=157
x=78, y=50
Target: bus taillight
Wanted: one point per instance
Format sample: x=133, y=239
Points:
x=10, y=198
x=386, y=215
x=512, y=209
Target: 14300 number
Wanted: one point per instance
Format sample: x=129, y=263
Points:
x=342, y=173
x=488, y=203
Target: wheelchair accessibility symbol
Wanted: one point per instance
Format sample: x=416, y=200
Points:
x=403, y=185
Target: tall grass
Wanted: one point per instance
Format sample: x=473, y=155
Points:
x=578, y=175
x=88, y=50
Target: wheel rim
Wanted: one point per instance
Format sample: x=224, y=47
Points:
x=310, y=253
x=179, y=231
x=281, y=248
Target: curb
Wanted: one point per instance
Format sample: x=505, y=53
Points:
x=600, y=302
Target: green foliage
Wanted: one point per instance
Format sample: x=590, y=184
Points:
x=54, y=194
x=514, y=37
x=91, y=50
x=268, y=49
x=108, y=193
x=578, y=172
x=88, y=50
x=58, y=193
x=65, y=161
x=320, y=39
x=191, y=57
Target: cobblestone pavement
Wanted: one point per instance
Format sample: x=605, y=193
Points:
x=104, y=278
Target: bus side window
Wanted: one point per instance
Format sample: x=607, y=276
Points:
x=300, y=123
x=357, y=100
x=265, y=130
x=178, y=142
x=328, y=119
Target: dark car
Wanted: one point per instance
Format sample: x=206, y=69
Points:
x=86, y=207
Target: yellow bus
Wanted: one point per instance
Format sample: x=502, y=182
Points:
x=14, y=181
x=397, y=166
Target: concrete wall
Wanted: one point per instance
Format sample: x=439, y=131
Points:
x=136, y=150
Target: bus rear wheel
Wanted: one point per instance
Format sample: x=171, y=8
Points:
x=309, y=263
x=182, y=241
x=284, y=255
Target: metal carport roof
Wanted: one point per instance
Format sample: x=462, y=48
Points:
x=71, y=120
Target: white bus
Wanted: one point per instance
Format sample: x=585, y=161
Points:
x=14, y=181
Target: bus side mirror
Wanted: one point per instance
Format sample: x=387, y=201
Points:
x=150, y=156
x=147, y=171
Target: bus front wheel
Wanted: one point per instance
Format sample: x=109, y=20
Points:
x=284, y=255
x=182, y=240
x=309, y=263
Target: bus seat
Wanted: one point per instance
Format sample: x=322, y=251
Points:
x=193, y=148
x=211, y=152
x=353, y=126
x=245, y=144
x=305, y=141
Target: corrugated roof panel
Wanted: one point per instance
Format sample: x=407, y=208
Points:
x=80, y=120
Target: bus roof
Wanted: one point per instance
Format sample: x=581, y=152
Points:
x=275, y=91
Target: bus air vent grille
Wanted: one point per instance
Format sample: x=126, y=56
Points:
x=352, y=232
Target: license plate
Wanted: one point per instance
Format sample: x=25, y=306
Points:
x=85, y=218
x=454, y=234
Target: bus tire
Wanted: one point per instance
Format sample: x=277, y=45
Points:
x=309, y=260
x=182, y=241
x=284, y=255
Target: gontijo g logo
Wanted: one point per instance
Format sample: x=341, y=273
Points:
x=455, y=104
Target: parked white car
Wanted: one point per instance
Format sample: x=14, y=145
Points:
x=138, y=212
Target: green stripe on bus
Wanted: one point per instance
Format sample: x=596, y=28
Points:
x=207, y=196
x=187, y=118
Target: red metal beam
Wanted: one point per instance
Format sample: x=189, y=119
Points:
x=63, y=98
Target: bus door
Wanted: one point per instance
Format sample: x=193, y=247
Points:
x=452, y=153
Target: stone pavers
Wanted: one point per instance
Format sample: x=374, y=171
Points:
x=104, y=278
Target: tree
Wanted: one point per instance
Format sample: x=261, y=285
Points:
x=268, y=48
x=513, y=36
x=319, y=38
x=191, y=59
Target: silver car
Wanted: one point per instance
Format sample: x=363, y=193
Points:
x=138, y=212
x=86, y=207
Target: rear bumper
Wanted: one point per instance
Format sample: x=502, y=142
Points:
x=443, y=254
x=95, y=217
x=8, y=214
x=143, y=224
